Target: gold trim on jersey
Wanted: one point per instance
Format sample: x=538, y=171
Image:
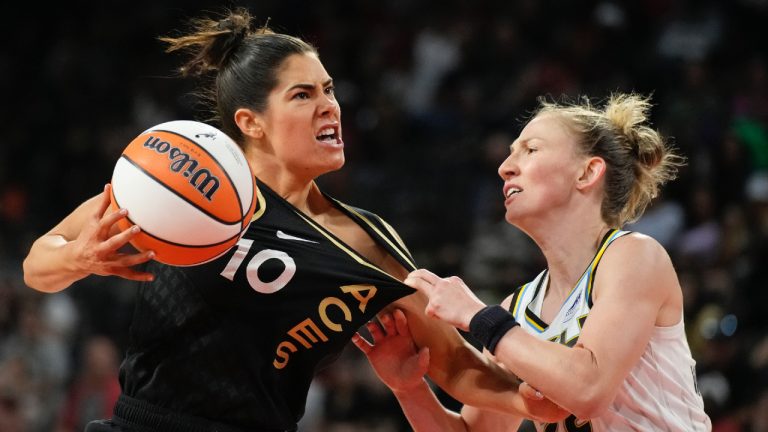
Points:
x=373, y=227
x=261, y=202
x=396, y=236
x=354, y=255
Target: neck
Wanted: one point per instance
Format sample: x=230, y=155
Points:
x=301, y=192
x=568, y=248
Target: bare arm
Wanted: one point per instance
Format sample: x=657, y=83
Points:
x=627, y=306
x=83, y=243
x=401, y=367
x=585, y=378
x=467, y=375
x=396, y=361
x=425, y=413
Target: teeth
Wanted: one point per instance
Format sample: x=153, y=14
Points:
x=327, y=131
x=512, y=191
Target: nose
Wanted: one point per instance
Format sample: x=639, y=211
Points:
x=329, y=107
x=508, y=168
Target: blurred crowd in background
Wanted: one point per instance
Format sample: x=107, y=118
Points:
x=432, y=94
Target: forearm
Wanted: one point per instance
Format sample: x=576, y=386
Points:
x=47, y=267
x=466, y=374
x=567, y=376
x=477, y=381
x=478, y=420
x=425, y=412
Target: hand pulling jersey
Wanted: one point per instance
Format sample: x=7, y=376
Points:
x=660, y=392
x=238, y=340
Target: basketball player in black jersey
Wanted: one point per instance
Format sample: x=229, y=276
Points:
x=233, y=344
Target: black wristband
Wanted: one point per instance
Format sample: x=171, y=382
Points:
x=490, y=324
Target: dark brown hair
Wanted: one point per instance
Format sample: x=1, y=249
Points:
x=244, y=63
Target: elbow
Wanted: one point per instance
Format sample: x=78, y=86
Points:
x=593, y=391
x=29, y=279
x=32, y=279
x=592, y=402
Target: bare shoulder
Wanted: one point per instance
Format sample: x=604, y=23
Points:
x=636, y=264
x=639, y=250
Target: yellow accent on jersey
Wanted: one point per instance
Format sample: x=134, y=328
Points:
x=534, y=324
x=596, y=261
x=517, y=302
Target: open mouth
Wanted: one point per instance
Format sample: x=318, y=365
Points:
x=329, y=135
x=512, y=191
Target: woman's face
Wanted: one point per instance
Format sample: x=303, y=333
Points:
x=542, y=170
x=302, y=122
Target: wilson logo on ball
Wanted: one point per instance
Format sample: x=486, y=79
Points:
x=190, y=189
x=200, y=179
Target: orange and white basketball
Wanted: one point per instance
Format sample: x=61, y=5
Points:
x=189, y=188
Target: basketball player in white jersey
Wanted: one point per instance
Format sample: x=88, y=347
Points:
x=600, y=332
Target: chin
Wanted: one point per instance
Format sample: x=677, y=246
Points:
x=338, y=163
x=513, y=217
x=330, y=167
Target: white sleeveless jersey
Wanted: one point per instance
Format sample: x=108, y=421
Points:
x=660, y=392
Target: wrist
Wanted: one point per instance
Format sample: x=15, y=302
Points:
x=411, y=391
x=490, y=324
x=469, y=314
x=72, y=261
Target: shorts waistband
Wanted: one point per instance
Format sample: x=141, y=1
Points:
x=144, y=415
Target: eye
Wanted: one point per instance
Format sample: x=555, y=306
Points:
x=330, y=90
x=301, y=95
x=530, y=150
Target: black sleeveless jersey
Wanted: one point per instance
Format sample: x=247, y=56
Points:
x=239, y=339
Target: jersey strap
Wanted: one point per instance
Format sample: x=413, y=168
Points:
x=381, y=231
x=530, y=317
x=515, y=298
x=609, y=237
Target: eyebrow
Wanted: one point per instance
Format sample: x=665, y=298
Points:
x=522, y=142
x=309, y=86
x=512, y=146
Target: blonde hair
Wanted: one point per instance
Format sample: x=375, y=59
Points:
x=638, y=159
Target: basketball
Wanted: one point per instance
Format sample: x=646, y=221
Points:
x=189, y=188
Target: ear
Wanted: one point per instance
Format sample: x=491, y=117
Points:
x=250, y=123
x=593, y=170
